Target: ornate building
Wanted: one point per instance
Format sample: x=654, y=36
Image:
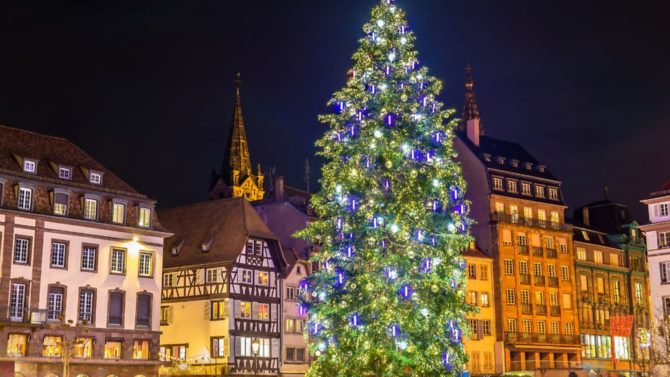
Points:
x=221, y=300
x=519, y=213
x=81, y=258
x=612, y=280
x=236, y=178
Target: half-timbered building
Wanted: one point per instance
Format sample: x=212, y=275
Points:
x=221, y=303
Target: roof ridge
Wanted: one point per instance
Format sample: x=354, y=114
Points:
x=37, y=133
x=199, y=203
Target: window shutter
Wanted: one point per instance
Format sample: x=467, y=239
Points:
x=274, y=351
x=226, y=344
x=238, y=345
x=208, y=310
x=170, y=315
x=480, y=329
x=664, y=271
x=667, y=271
x=273, y=312
x=535, y=240
x=507, y=236
x=254, y=310
x=238, y=311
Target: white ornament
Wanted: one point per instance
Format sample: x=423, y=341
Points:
x=436, y=183
x=378, y=134
x=403, y=40
x=394, y=228
x=392, y=56
x=380, y=23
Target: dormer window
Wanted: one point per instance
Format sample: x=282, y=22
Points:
x=541, y=168
x=118, y=213
x=497, y=183
x=29, y=166
x=528, y=166
x=539, y=191
x=64, y=173
x=145, y=217
x=501, y=160
x=515, y=163
x=177, y=248
x=487, y=157
x=511, y=186
x=553, y=193
x=95, y=178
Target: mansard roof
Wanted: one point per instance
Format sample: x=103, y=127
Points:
x=221, y=226
x=50, y=152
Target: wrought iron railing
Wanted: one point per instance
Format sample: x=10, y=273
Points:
x=527, y=337
x=524, y=279
x=516, y=219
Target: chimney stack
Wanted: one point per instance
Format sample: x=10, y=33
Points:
x=585, y=216
x=473, y=130
x=279, y=187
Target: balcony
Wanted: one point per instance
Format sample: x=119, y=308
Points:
x=552, y=253
x=525, y=337
x=526, y=309
x=531, y=365
x=537, y=252
x=553, y=281
x=539, y=280
x=523, y=249
x=516, y=219
x=26, y=315
x=524, y=279
x=555, y=311
x=541, y=309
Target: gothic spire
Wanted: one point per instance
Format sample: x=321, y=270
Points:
x=236, y=163
x=470, y=110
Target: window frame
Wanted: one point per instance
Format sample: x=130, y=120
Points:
x=80, y=313
x=29, y=162
x=66, y=247
x=494, y=183
x=112, y=251
x=149, y=319
x=95, y=249
x=219, y=304
x=141, y=218
x=28, y=252
x=62, y=168
x=151, y=264
x=220, y=345
x=122, y=310
x=21, y=198
x=87, y=210
x=24, y=351
x=118, y=208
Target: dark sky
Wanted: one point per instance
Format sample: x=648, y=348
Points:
x=146, y=87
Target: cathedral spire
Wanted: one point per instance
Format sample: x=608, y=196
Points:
x=470, y=110
x=236, y=163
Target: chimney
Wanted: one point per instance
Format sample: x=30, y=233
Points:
x=279, y=187
x=473, y=130
x=585, y=216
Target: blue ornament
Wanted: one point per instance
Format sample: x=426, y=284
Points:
x=455, y=192
x=340, y=278
x=386, y=184
x=305, y=285
x=394, y=330
x=390, y=120
x=349, y=251
x=420, y=234
x=435, y=205
x=438, y=137
x=427, y=265
x=354, y=203
x=315, y=328
x=405, y=291
x=355, y=320
x=302, y=310
x=446, y=361
x=455, y=333
x=353, y=131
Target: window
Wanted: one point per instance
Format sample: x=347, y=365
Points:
x=569, y=328
x=583, y=283
x=500, y=207
x=262, y=278
x=218, y=346
x=601, y=284
x=521, y=239
x=115, y=309
x=539, y=298
x=511, y=325
x=60, y=203
x=509, y=267
x=245, y=309
x=58, y=254
x=585, y=235
x=165, y=315
x=146, y=264
x=527, y=325
x=167, y=352
x=145, y=217
x=497, y=183
x=597, y=256
x=55, y=303
x=562, y=245
x=168, y=279
x=551, y=270
x=514, y=212
x=264, y=312
x=541, y=216
x=616, y=290
x=29, y=166
x=565, y=272
x=64, y=173
x=510, y=297
x=523, y=267
x=90, y=209
x=507, y=237
x=51, y=346
x=88, y=258
x=83, y=348
x=17, y=302
x=25, y=198
x=484, y=272
x=662, y=210
x=555, y=218
x=537, y=269
x=86, y=297
x=212, y=275
x=638, y=292
x=666, y=307
x=614, y=259
x=488, y=360
x=663, y=240
x=290, y=293
x=247, y=277
x=539, y=191
x=472, y=271
x=486, y=327
x=484, y=299
x=141, y=349
x=553, y=193
x=525, y=296
x=118, y=265
x=511, y=186
x=553, y=298
x=118, y=213
x=528, y=214
x=16, y=345
x=95, y=178
x=567, y=301
x=472, y=298
x=541, y=327
x=21, y=250
x=112, y=349
x=289, y=325
x=245, y=347
x=143, y=314
x=525, y=188
x=581, y=253
x=555, y=327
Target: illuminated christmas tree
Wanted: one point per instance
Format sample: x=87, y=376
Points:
x=388, y=297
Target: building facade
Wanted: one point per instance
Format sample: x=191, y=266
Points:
x=519, y=212
x=483, y=350
x=221, y=299
x=81, y=260
x=657, y=233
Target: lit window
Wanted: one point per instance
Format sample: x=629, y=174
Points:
x=510, y=297
x=511, y=186
x=497, y=183
x=290, y=325
x=553, y=298
x=527, y=325
x=88, y=254
x=245, y=309
x=168, y=279
x=263, y=350
x=95, y=178
x=555, y=327
x=525, y=297
x=25, y=200
x=29, y=166
x=290, y=293
x=551, y=270
x=663, y=240
x=141, y=349
x=472, y=298
x=118, y=213
x=541, y=327
x=145, y=264
x=525, y=188
x=212, y=275
x=83, y=348
x=145, y=217
x=51, y=346
x=614, y=259
x=484, y=299
x=247, y=277
x=90, y=209
x=262, y=277
x=638, y=292
x=601, y=285
x=21, y=250
x=58, y=254
x=112, y=349
x=118, y=265
x=218, y=310
x=17, y=303
x=472, y=271
x=597, y=256
x=60, y=203
x=16, y=345
x=264, y=312
x=569, y=328
x=218, y=347
x=539, y=191
x=583, y=283
x=555, y=219
x=565, y=272
x=511, y=325
x=85, y=306
x=553, y=193
x=662, y=210
x=64, y=173
x=581, y=253
x=509, y=267
x=523, y=267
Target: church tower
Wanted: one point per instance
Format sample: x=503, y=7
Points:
x=236, y=178
x=470, y=121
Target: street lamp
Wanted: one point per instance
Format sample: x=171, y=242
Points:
x=255, y=347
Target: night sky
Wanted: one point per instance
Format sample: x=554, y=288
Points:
x=147, y=87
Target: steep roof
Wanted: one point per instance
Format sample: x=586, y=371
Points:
x=50, y=152
x=475, y=253
x=224, y=225
x=236, y=156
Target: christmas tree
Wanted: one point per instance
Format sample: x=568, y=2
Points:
x=387, y=298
